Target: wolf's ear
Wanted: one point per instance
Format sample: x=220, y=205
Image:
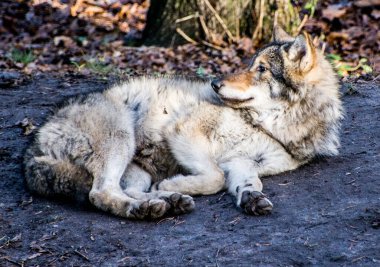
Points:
x=303, y=51
x=279, y=35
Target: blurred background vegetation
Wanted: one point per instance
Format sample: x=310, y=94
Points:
x=223, y=22
x=169, y=36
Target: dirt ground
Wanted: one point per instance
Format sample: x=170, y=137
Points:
x=326, y=213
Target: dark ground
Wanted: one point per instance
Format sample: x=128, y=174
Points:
x=326, y=213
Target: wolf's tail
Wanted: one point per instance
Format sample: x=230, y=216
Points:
x=48, y=176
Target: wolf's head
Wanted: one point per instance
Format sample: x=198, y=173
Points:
x=287, y=69
x=294, y=92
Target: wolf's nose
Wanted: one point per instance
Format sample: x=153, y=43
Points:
x=216, y=84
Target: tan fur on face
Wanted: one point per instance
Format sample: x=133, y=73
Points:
x=241, y=81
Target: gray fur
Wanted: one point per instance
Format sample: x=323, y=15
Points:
x=112, y=146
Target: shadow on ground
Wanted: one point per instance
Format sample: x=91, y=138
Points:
x=326, y=213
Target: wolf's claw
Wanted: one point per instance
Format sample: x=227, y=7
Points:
x=180, y=203
x=255, y=203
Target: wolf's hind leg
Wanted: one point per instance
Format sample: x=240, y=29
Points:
x=107, y=169
x=137, y=182
x=67, y=162
x=243, y=183
x=108, y=195
x=206, y=177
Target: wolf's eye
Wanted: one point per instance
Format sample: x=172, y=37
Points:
x=261, y=68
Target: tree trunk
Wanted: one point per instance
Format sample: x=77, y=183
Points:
x=161, y=23
x=216, y=22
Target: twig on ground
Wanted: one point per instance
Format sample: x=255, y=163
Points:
x=178, y=222
x=353, y=227
x=351, y=182
x=165, y=219
x=219, y=19
x=205, y=29
x=216, y=258
x=212, y=45
x=12, y=261
x=185, y=36
x=358, y=259
x=123, y=259
x=235, y=221
x=196, y=15
x=221, y=196
x=82, y=255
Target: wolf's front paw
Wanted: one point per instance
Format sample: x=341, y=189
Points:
x=151, y=209
x=255, y=203
x=180, y=203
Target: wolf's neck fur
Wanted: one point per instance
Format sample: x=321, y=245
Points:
x=310, y=126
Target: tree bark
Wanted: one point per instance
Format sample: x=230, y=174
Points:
x=216, y=22
x=161, y=23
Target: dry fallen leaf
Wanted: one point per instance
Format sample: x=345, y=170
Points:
x=27, y=126
x=104, y=29
x=366, y=3
x=334, y=11
x=64, y=41
x=375, y=13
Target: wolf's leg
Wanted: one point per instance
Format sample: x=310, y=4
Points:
x=66, y=161
x=206, y=177
x=137, y=182
x=243, y=183
x=107, y=194
x=87, y=152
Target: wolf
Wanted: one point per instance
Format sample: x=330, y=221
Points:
x=143, y=148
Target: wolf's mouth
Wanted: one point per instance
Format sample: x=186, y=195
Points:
x=235, y=100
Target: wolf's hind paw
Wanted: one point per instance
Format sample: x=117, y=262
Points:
x=151, y=209
x=255, y=203
x=179, y=203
